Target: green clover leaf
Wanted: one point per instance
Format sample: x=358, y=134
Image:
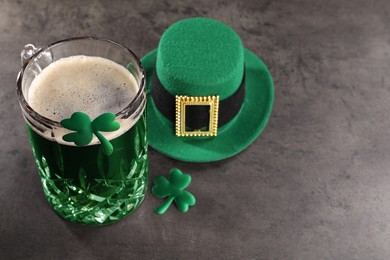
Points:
x=85, y=129
x=173, y=188
x=81, y=123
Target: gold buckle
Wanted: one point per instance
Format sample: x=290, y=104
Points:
x=183, y=101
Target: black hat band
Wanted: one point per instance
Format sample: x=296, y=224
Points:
x=197, y=117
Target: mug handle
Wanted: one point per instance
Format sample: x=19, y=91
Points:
x=28, y=51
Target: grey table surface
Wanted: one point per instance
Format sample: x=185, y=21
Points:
x=314, y=185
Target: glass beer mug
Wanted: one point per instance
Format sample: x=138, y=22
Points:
x=84, y=183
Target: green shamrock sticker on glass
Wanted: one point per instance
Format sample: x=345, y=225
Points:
x=85, y=129
x=173, y=189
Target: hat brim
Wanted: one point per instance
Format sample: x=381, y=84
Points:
x=233, y=137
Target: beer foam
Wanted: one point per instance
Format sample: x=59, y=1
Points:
x=92, y=85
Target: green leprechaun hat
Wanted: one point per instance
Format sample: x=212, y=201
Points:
x=208, y=97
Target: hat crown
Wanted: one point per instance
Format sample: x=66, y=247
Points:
x=200, y=57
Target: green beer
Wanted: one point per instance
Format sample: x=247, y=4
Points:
x=82, y=183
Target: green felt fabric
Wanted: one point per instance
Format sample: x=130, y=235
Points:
x=199, y=57
x=233, y=137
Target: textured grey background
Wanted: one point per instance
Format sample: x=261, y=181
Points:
x=314, y=185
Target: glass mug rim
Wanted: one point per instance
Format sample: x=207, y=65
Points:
x=52, y=123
